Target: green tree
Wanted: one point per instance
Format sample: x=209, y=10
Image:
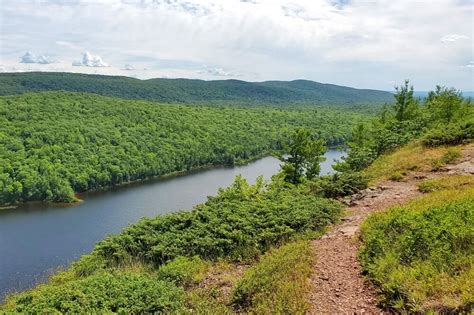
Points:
x=405, y=104
x=304, y=155
x=444, y=103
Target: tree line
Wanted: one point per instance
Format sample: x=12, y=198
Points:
x=55, y=144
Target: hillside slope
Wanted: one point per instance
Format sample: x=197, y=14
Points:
x=191, y=91
x=338, y=281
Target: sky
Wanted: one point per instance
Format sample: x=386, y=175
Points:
x=359, y=43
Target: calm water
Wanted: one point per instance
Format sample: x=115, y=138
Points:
x=38, y=239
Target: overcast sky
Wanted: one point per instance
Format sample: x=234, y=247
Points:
x=360, y=43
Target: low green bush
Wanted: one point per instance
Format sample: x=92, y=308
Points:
x=426, y=186
x=241, y=222
x=450, y=156
x=338, y=185
x=452, y=134
x=397, y=176
x=183, y=271
x=278, y=283
x=126, y=293
x=421, y=255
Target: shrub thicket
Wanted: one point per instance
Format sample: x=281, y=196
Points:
x=118, y=292
x=338, y=185
x=241, y=222
x=452, y=134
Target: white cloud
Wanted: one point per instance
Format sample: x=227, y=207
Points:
x=451, y=38
x=218, y=72
x=358, y=42
x=128, y=67
x=470, y=64
x=29, y=57
x=90, y=60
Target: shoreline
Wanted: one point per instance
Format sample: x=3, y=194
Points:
x=77, y=195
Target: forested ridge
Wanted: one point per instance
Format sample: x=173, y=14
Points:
x=193, y=91
x=53, y=144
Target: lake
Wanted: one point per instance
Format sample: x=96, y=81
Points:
x=37, y=239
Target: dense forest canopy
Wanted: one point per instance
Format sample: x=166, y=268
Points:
x=53, y=144
x=192, y=91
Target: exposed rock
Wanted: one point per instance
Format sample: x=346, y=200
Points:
x=349, y=230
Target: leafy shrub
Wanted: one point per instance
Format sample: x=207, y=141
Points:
x=396, y=134
x=357, y=159
x=451, y=155
x=278, y=283
x=421, y=255
x=183, y=271
x=101, y=293
x=452, y=134
x=241, y=222
x=397, y=176
x=338, y=185
x=426, y=186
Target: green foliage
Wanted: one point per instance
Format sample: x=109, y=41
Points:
x=54, y=144
x=191, y=91
x=397, y=176
x=241, y=222
x=445, y=119
x=357, y=159
x=338, y=185
x=449, y=157
x=452, y=134
x=405, y=104
x=304, y=155
x=278, y=283
x=205, y=301
x=446, y=104
x=101, y=293
x=427, y=186
x=421, y=255
x=183, y=271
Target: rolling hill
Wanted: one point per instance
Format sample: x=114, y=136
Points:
x=192, y=91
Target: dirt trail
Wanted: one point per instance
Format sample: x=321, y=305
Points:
x=338, y=284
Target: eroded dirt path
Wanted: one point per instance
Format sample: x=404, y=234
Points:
x=338, y=286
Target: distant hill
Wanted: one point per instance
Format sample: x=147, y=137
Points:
x=191, y=91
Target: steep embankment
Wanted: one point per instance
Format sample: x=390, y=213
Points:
x=338, y=283
x=192, y=91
